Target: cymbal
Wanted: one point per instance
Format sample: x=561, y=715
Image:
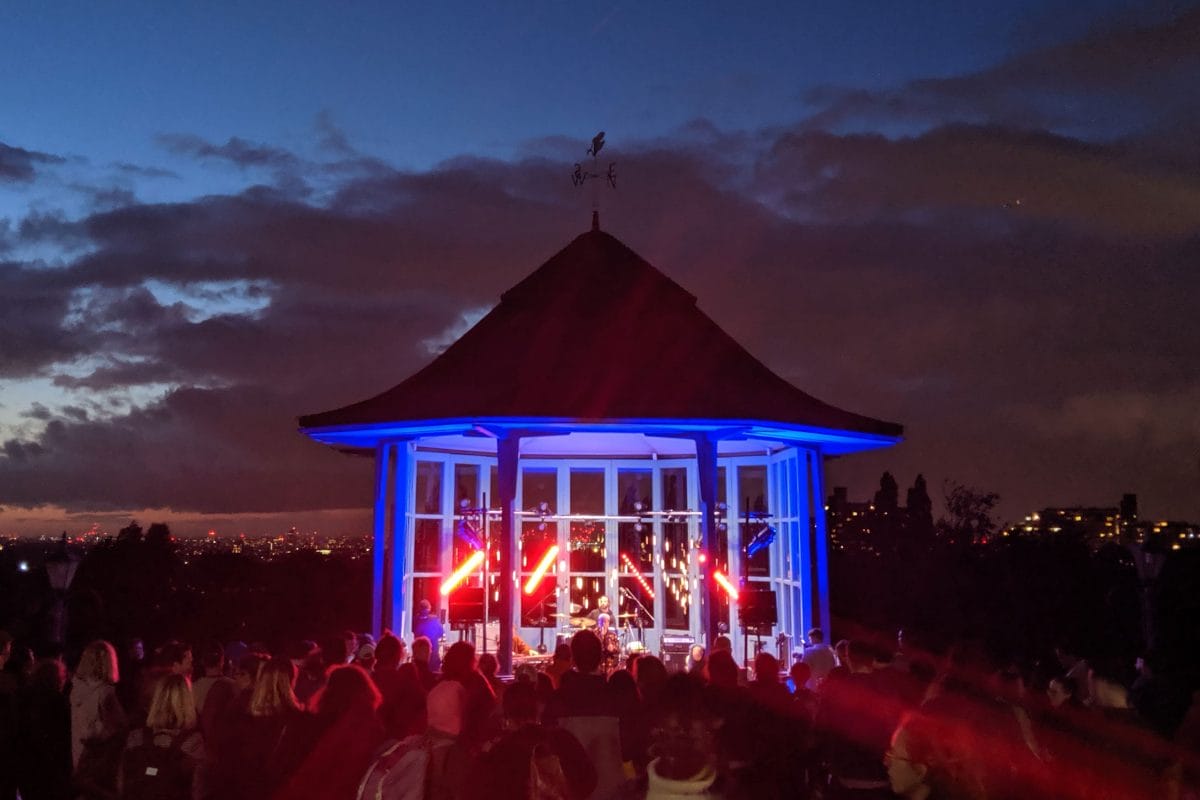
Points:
x=561, y=616
x=582, y=622
x=626, y=616
x=575, y=608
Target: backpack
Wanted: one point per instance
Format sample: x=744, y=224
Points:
x=546, y=778
x=399, y=772
x=150, y=772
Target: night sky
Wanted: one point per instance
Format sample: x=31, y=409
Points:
x=980, y=220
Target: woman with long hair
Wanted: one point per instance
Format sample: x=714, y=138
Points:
x=97, y=721
x=268, y=739
x=347, y=733
x=164, y=758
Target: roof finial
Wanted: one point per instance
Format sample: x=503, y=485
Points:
x=580, y=176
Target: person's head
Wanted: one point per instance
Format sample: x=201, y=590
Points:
x=172, y=708
x=213, y=659
x=20, y=661
x=135, y=649
x=722, y=642
x=349, y=644
x=424, y=608
x=50, y=675
x=861, y=656
x=488, y=665
x=623, y=686
x=842, y=651
x=586, y=651
x=562, y=654
x=249, y=667
x=422, y=649
x=602, y=602
x=459, y=661
x=932, y=757
x=445, y=707
x=365, y=657
x=520, y=704
x=274, y=690
x=696, y=654
x=98, y=663
x=816, y=636
x=722, y=669
x=1106, y=685
x=1062, y=691
x=766, y=668
x=683, y=742
x=176, y=657
x=349, y=689
x=390, y=651
x=801, y=674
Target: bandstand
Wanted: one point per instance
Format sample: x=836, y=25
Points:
x=597, y=434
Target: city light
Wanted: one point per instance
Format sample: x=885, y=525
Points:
x=459, y=575
x=540, y=569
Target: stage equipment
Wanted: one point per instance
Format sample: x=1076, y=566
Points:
x=466, y=605
x=763, y=538
x=757, y=609
x=674, y=651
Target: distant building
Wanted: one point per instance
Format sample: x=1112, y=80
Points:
x=1098, y=526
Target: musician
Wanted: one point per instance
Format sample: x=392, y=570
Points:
x=602, y=615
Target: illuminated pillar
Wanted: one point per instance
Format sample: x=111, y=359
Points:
x=706, y=469
x=507, y=451
x=818, y=494
x=400, y=480
x=802, y=555
x=379, y=548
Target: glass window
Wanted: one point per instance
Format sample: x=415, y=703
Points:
x=636, y=538
x=587, y=492
x=539, y=490
x=466, y=487
x=755, y=527
x=428, y=496
x=587, y=546
x=427, y=545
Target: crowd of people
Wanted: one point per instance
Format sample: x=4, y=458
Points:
x=359, y=718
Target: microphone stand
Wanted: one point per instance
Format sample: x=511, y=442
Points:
x=649, y=616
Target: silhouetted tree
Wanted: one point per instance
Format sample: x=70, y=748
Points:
x=919, y=506
x=130, y=533
x=887, y=498
x=968, y=517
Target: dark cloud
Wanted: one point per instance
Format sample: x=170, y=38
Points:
x=18, y=165
x=236, y=151
x=141, y=171
x=1149, y=67
x=1020, y=298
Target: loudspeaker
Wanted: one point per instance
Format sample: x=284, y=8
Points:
x=756, y=608
x=674, y=650
x=466, y=605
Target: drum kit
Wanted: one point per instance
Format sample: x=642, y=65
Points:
x=625, y=636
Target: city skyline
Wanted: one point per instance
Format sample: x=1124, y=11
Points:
x=979, y=223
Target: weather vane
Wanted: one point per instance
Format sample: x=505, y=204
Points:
x=580, y=176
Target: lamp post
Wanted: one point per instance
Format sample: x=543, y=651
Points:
x=60, y=569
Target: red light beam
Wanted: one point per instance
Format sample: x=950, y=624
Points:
x=459, y=575
x=540, y=569
x=729, y=588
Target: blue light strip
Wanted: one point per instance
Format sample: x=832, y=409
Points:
x=829, y=440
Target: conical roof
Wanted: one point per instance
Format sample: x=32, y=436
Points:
x=596, y=334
